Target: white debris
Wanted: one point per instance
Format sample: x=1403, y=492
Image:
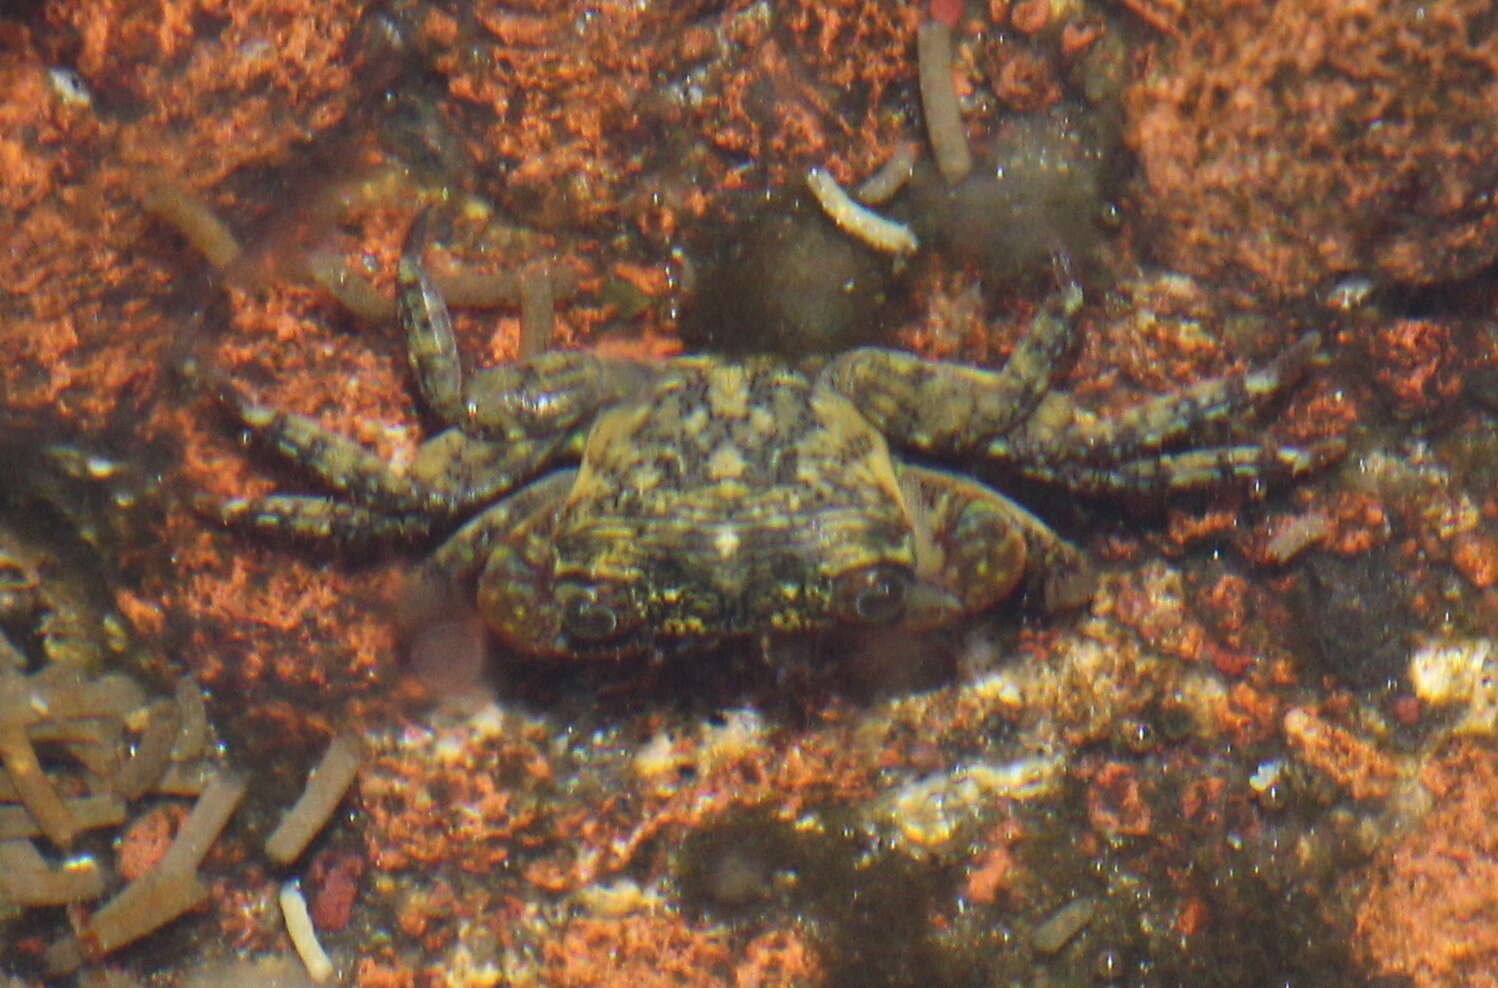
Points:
x=658, y=758
x=857, y=220
x=1267, y=775
x=742, y=733
x=624, y=897
x=303, y=936
x=70, y=87
x=1456, y=671
x=935, y=810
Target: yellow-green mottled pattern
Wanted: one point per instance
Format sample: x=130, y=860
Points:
x=601, y=508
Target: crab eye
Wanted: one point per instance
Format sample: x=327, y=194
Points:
x=875, y=594
x=592, y=613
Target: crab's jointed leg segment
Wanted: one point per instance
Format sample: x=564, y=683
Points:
x=466, y=552
x=321, y=519
x=473, y=472
x=1217, y=466
x=1008, y=417
x=338, y=462
x=1150, y=426
x=946, y=408
x=508, y=548
x=450, y=474
x=548, y=394
x=510, y=423
x=430, y=345
x=976, y=545
x=536, y=398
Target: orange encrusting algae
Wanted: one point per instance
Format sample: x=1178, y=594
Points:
x=602, y=140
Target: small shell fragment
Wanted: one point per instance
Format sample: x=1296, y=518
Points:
x=1460, y=671
x=69, y=86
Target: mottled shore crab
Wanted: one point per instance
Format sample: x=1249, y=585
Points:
x=605, y=507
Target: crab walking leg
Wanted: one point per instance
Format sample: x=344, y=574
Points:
x=473, y=472
x=540, y=396
x=946, y=408
x=967, y=554
x=507, y=550
x=1219, y=466
x=338, y=462
x=463, y=555
x=548, y=394
x=430, y=344
x=1151, y=425
x=318, y=518
x=451, y=472
x=974, y=533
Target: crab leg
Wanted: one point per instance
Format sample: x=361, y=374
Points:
x=473, y=472
x=1151, y=425
x=1195, y=469
x=972, y=538
x=535, y=398
x=945, y=408
x=318, y=518
x=430, y=344
x=338, y=462
x=468, y=550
